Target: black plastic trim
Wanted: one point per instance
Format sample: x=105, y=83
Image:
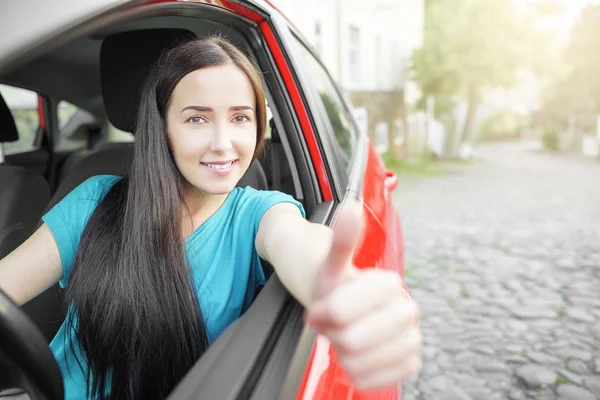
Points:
x=281, y=376
x=23, y=346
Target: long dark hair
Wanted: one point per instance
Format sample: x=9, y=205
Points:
x=134, y=307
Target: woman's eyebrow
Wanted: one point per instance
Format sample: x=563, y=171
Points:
x=197, y=108
x=209, y=109
x=241, y=108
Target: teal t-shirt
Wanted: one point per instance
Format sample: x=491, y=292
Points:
x=226, y=268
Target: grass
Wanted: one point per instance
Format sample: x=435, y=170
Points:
x=417, y=167
x=561, y=380
x=560, y=313
x=424, y=166
x=464, y=293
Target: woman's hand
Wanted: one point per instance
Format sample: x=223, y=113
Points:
x=366, y=314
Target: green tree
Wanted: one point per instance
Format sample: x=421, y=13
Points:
x=470, y=45
x=574, y=93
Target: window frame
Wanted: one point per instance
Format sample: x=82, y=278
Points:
x=342, y=169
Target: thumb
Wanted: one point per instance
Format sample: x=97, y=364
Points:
x=347, y=231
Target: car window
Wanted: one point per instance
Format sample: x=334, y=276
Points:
x=333, y=104
x=66, y=111
x=23, y=105
x=116, y=135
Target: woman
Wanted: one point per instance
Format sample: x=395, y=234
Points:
x=158, y=264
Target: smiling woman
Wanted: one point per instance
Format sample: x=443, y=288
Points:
x=158, y=264
x=211, y=123
x=206, y=111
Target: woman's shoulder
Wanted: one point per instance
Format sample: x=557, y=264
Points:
x=94, y=187
x=262, y=200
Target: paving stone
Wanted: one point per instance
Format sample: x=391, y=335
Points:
x=578, y=366
x=576, y=354
x=513, y=325
x=592, y=383
x=542, y=358
x=516, y=394
x=581, y=315
x=571, y=376
x=572, y=392
x=490, y=365
x=533, y=312
x=440, y=384
x=506, y=269
x=534, y=376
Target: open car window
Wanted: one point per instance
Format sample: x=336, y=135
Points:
x=23, y=105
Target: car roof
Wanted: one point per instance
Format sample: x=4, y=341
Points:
x=78, y=58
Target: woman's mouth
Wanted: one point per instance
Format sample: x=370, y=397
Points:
x=220, y=167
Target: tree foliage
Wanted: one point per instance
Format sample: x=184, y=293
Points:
x=468, y=45
x=575, y=90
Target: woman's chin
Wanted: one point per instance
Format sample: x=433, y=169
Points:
x=217, y=188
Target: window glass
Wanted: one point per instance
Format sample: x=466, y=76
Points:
x=117, y=135
x=65, y=112
x=23, y=105
x=353, y=56
x=333, y=104
x=268, y=125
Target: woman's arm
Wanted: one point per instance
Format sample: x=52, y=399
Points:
x=295, y=247
x=32, y=267
x=366, y=314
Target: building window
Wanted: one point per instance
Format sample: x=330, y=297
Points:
x=378, y=62
x=318, y=38
x=354, y=54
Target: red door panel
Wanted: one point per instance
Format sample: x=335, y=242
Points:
x=381, y=247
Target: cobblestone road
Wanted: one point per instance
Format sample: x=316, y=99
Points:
x=504, y=260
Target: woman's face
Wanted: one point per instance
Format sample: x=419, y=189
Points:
x=211, y=125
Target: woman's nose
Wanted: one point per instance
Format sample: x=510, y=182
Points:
x=221, y=141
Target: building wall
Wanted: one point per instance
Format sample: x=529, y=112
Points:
x=365, y=45
x=386, y=33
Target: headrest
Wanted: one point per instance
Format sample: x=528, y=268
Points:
x=8, y=128
x=125, y=61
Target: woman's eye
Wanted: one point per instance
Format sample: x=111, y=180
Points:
x=241, y=118
x=196, y=120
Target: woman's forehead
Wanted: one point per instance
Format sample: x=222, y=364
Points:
x=223, y=85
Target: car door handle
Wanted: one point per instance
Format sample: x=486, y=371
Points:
x=391, y=180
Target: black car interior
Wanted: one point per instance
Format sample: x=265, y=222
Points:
x=124, y=59
x=102, y=73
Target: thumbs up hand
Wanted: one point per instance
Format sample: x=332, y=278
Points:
x=366, y=314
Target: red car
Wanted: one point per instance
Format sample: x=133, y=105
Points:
x=55, y=49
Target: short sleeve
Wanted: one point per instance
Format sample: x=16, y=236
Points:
x=68, y=218
x=267, y=199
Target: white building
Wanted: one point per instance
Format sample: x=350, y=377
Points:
x=365, y=45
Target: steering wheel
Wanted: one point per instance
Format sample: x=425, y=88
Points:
x=25, y=359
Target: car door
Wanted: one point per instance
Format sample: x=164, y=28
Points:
x=358, y=173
